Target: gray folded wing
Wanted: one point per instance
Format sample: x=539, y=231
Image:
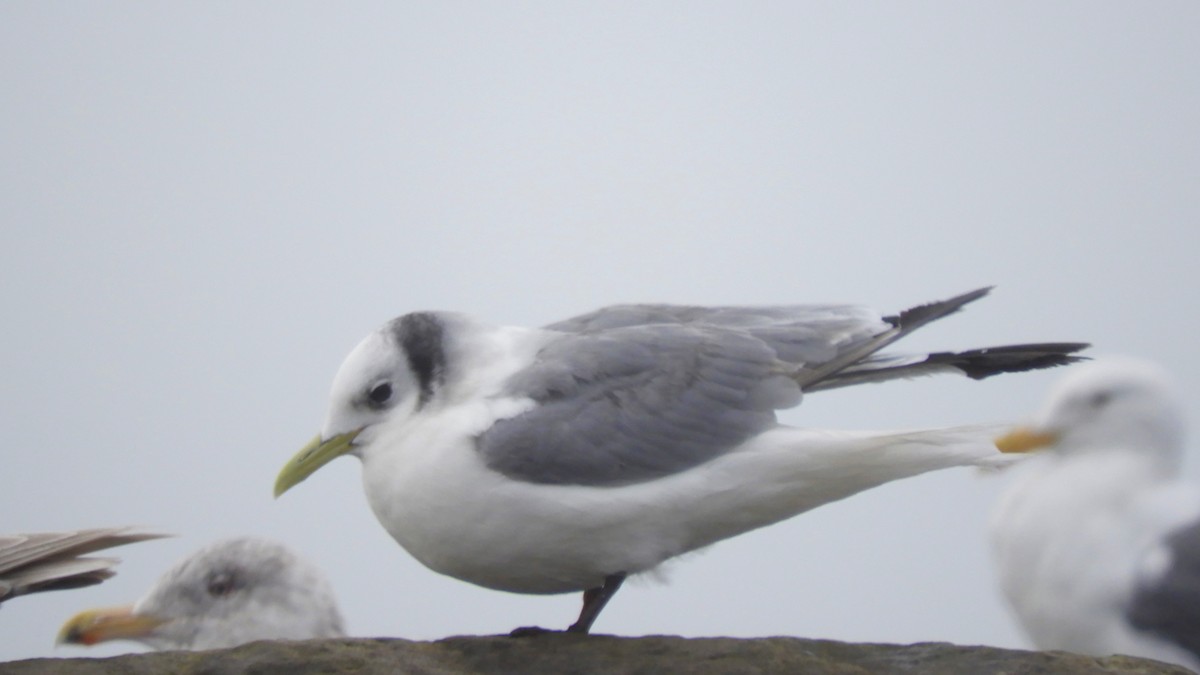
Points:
x=1169, y=606
x=636, y=392
x=51, y=561
x=634, y=403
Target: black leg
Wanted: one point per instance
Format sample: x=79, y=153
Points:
x=594, y=600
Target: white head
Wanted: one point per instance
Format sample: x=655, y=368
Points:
x=229, y=593
x=1115, y=403
x=390, y=375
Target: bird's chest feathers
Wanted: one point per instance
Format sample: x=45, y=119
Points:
x=1088, y=498
x=1083, y=554
x=424, y=477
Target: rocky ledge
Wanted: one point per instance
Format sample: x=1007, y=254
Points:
x=560, y=653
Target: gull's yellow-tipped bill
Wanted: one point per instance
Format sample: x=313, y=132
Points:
x=109, y=623
x=311, y=457
x=1025, y=439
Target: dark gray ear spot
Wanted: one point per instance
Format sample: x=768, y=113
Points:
x=1100, y=398
x=420, y=335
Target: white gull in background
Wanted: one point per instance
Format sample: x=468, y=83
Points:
x=54, y=561
x=1097, y=542
x=231, y=592
x=564, y=458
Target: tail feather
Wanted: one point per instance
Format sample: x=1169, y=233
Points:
x=915, y=317
x=965, y=445
x=820, y=457
x=976, y=364
x=980, y=363
x=813, y=377
x=865, y=363
x=811, y=467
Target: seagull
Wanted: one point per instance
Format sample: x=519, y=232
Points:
x=1097, y=543
x=55, y=561
x=565, y=458
x=228, y=593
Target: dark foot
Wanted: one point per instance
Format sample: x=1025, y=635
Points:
x=594, y=600
x=530, y=631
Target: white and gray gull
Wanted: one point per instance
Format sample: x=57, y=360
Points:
x=564, y=458
x=1097, y=542
x=228, y=593
x=55, y=561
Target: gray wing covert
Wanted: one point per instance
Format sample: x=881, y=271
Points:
x=798, y=334
x=1169, y=607
x=637, y=402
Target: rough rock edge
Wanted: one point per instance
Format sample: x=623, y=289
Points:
x=567, y=653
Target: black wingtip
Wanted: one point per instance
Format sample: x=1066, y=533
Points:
x=978, y=364
x=915, y=317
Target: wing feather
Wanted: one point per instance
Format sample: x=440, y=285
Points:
x=634, y=392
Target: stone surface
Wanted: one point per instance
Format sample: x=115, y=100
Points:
x=565, y=654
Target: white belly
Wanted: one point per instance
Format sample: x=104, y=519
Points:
x=1067, y=547
x=433, y=494
x=463, y=520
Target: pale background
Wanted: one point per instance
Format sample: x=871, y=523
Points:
x=206, y=205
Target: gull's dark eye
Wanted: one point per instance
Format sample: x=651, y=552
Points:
x=380, y=394
x=221, y=584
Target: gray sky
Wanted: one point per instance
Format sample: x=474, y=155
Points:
x=207, y=205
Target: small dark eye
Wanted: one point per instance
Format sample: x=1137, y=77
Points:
x=221, y=584
x=1100, y=399
x=380, y=393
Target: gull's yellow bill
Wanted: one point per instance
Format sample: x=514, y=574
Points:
x=92, y=626
x=311, y=457
x=1025, y=439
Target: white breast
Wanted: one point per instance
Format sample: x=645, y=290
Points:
x=1067, y=540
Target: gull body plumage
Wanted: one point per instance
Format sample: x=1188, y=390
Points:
x=1097, y=543
x=564, y=458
